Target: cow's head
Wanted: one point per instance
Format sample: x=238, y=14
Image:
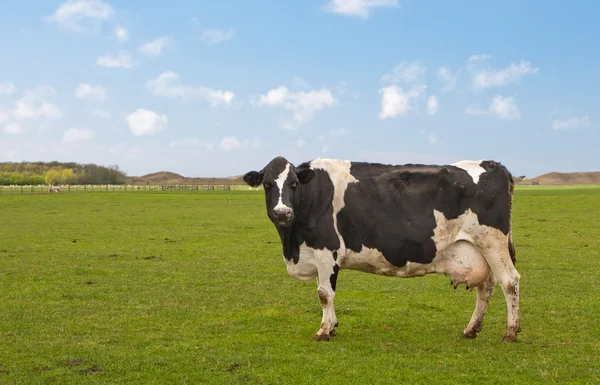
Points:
x=280, y=180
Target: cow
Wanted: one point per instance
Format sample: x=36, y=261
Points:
x=395, y=220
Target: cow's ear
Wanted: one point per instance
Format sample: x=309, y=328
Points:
x=305, y=175
x=253, y=178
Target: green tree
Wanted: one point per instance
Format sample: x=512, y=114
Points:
x=36, y=179
x=17, y=178
x=52, y=177
x=68, y=176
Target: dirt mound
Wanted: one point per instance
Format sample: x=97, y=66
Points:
x=565, y=178
x=162, y=177
x=166, y=177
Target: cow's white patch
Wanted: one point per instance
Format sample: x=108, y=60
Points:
x=339, y=173
x=280, y=182
x=472, y=167
x=307, y=266
x=315, y=263
x=371, y=260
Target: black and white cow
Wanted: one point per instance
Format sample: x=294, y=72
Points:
x=403, y=221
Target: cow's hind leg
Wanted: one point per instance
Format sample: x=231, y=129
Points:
x=327, y=279
x=484, y=292
x=494, y=247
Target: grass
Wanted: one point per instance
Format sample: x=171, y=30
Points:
x=190, y=287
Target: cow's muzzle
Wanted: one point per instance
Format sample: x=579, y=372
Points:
x=283, y=216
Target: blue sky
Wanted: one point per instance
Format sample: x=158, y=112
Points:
x=217, y=88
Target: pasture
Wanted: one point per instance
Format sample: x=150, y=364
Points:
x=190, y=288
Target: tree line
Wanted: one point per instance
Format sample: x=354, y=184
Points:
x=55, y=173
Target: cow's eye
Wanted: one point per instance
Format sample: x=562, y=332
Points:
x=267, y=185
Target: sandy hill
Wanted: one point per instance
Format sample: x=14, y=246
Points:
x=565, y=178
x=165, y=177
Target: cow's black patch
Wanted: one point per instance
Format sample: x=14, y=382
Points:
x=391, y=207
x=335, y=255
x=333, y=276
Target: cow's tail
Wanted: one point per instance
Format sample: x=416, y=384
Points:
x=511, y=245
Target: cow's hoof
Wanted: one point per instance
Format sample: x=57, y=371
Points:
x=470, y=334
x=509, y=338
x=321, y=337
x=333, y=333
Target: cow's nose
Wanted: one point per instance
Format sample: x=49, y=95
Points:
x=283, y=213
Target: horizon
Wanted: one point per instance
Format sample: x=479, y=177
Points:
x=221, y=88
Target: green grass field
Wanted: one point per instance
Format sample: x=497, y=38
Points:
x=191, y=288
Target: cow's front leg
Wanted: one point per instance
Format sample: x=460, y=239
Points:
x=326, y=280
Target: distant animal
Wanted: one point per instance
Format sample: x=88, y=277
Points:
x=404, y=221
x=54, y=189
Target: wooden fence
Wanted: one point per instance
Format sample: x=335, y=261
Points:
x=45, y=189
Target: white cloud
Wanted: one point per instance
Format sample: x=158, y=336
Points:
x=7, y=88
x=570, y=123
x=146, y=122
x=13, y=128
x=86, y=91
x=395, y=102
x=34, y=105
x=77, y=135
x=504, y=107
x=303, y=105
x=191, y=143
x=493, y=77
x=101, y=113
x=121, y=33
x=121, y=59
x=448, y=78
x=168, y=85
x=230, y=143
x=81, y=15
x=478, y=58
x=405, y=72
x=300, y=143
x=216, y=36
x=359, y=8
x=36, y=109
x=433, y=139
x=432, y=105
x=155, y=47
x=274, y=97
